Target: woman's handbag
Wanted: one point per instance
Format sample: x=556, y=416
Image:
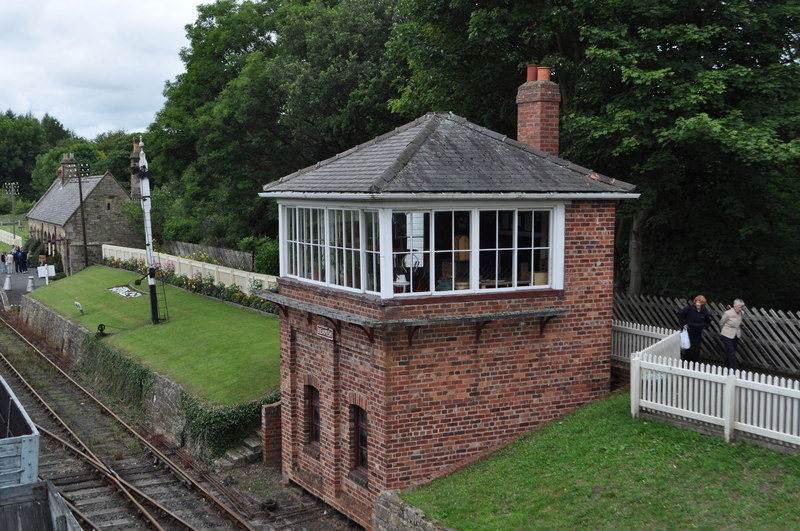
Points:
x=685, y=343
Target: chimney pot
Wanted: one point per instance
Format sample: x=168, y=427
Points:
x=531, y=73
x=543, y=73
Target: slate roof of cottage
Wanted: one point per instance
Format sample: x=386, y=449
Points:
x=444, y=153
x=61, y=201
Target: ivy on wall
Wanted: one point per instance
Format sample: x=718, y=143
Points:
x=117, y=374
x=218, y=428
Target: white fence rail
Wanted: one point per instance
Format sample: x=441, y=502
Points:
x=630, y=338
x=759, y=404
x=184, y=266
x=9, y=239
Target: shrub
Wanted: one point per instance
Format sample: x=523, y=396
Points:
x=219, y=428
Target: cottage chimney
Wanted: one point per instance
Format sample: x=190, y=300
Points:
x=136, y=187
x=538, y=102
x=69, y=168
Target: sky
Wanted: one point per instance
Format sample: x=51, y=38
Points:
x=94, y=65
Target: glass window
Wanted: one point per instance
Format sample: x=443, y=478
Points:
x=335, y=246
x=360, y=438
x=410, y=252
x=514, y=248
x=312, y=415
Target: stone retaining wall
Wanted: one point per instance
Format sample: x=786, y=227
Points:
x=58, y=332
x=393, y=514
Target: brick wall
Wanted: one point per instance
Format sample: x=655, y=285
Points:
x=537, y=115
x=271, y=433
x=441, y=393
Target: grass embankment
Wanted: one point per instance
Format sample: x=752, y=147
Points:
x=598, y=468
x=216, y=351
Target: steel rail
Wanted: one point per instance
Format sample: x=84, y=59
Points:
x=91, y=458
x=230, y=514
x=113, y=476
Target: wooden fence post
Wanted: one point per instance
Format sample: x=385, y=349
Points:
x=635, y=384
x=729, y=405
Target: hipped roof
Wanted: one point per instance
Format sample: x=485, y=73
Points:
x=444, y=153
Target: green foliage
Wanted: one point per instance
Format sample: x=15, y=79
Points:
x=697, y=104
x=267, y=251
x=108, y=152
x=300, y=81
x=22, y=138
x=119, y=374
x=219, y=428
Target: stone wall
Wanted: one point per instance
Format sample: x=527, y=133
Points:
x=58, y=332
x=393, y=514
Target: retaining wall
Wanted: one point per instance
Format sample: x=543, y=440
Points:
x=162, y=403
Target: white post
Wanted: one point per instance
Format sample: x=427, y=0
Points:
x=144, y=181
x=635, y=385
x=729, y=405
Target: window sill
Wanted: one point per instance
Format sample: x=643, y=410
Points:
x=312, y=449
x=359, y=477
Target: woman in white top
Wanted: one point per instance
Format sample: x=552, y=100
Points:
x=729, y=329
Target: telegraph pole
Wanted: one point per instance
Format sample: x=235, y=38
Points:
x=142, y=172
x=12, y=189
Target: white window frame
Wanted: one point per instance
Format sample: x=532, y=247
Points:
x=385, y=255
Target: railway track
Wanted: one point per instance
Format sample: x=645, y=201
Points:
x=113, y=478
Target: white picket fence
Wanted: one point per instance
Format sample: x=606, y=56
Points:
x=191, y=268
x=758, y=404
x=630, y=338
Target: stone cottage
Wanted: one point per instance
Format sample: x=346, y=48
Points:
x=78, y=234
x=443, y=289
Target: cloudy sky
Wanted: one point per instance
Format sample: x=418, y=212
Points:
x=95, y=65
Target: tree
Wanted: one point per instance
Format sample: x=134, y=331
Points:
x=54, y=131
x=696, y=103
x=316, y=84
x=21, y=140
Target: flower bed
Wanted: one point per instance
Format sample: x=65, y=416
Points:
x=196, y=283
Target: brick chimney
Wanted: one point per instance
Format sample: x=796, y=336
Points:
x=69, y=168
x=136, y=187
x=537, y=110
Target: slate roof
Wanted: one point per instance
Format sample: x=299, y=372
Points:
x=61, y=201
x=444, y=153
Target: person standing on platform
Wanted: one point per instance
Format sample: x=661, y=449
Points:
x=695, y=318
x=730, y=329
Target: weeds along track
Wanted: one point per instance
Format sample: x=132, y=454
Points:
x=110, y=476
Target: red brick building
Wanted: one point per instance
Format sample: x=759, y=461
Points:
x=443, y=289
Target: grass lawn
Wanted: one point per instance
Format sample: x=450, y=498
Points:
x=598, y=468
x=217, y=351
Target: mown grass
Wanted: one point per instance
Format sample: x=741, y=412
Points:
x=598, y=468
x=217, y=351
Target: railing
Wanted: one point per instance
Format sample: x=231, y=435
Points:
x=770, y=338
x=758, y=404
x=629, y=338
x=246, y=280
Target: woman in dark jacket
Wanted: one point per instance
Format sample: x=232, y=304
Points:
x=695, y=318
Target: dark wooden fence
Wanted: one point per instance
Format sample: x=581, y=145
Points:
x=770, y=339
x=226, y=257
